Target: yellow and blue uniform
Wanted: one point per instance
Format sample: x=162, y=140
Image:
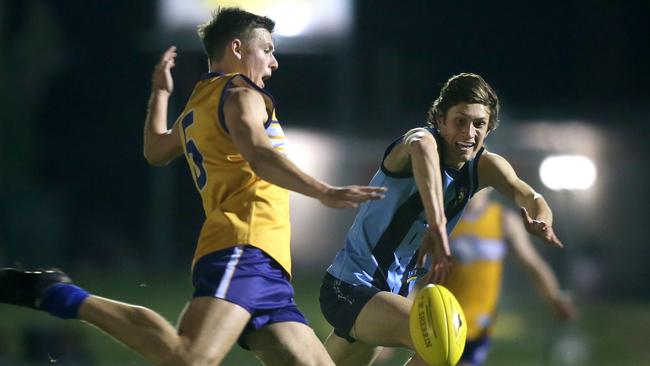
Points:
x=478, y=247
x=243, y=253
x=240, y=207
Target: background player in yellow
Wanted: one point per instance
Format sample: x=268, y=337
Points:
x=479, y=243
x=234, y=146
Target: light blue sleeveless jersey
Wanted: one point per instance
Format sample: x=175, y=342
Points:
x=382, y=244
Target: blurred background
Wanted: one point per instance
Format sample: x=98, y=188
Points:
x=76, y=193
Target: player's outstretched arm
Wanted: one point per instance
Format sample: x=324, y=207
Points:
x=245, y=113
x=161, y=145
x=418, y=152
x=538, y=270
x=537, y=216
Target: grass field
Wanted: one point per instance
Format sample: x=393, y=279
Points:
x=608, y=333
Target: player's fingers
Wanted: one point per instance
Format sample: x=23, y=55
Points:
x=369, y=189
x=443, y=276
x=431, y=276
x=439, y=272
x=421, y=259
x=169, y=51
x=554, y=240
x=524, y=215
x=168, y=64
x=551, y=238
x=362, y=197
x=436, y=274
x=348, y=204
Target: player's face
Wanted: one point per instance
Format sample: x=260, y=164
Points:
x=463, y=129
x=258, y=60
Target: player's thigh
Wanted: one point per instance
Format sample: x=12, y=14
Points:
x=345, y=353
x=383, y=321
x=288, y=343
x=209, y=327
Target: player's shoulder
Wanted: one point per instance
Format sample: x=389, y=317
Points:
x=491, y=160
x=418, y=132
x=240, y=97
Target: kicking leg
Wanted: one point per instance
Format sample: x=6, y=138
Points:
x=208, y=329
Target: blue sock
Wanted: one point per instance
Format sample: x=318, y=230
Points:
x=63, y=300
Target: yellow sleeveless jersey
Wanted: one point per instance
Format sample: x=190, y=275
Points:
x=478, y=248
x=240, y=207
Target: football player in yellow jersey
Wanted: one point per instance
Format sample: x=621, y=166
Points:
x=478, y=244
x=234, y=146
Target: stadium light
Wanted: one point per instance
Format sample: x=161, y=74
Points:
x=567, y=172
x=301, y=25
x=291, y=19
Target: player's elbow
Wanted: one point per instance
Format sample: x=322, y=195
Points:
x=155, y=157
x=259, y=159
x=154, y=160
x=256, y=161
x=162, y=150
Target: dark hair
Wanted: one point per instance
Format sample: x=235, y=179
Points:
x=227, y=24
x=467, y=88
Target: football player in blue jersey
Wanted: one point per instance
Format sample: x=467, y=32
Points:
x=431, y=173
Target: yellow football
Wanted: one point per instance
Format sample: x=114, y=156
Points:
x=438, y=327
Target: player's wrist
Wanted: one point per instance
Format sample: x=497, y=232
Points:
x=322, y=190
x=160, y=93
x=438, y=228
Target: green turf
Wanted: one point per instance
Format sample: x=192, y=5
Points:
x=611, y=333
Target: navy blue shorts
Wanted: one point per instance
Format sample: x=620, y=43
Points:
x=341, y=303
x=476, y=351
x=250, y=278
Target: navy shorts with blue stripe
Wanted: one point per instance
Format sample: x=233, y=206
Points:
x=250, y=278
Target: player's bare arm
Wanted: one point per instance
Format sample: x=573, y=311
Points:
x=245, y=114
x=495, y=171
x=538, y=270
x=161, y=145
x=419, y=153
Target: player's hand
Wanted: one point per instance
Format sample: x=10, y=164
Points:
x=162, y=80
x=435, y=243
x=563, y=307
x=350, y=196
x=540, y=229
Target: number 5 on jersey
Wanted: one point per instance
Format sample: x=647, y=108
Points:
x=197, y=168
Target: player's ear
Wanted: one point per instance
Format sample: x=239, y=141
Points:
x=236, y=47
x=440, y=119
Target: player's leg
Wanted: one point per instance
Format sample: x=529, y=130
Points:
x=363, y=318
x=288, y=343
x=346, y=353
x=375, y=326
x=137, y=327
x=209, y=327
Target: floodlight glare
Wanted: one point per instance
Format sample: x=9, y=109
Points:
x=569, y=172
x=291, y=19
